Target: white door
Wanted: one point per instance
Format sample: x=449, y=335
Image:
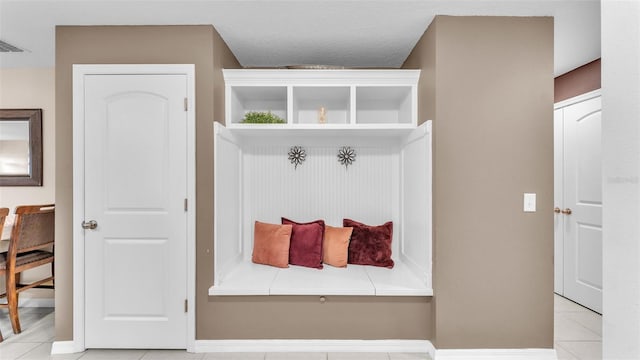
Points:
x=581, y=205
x=135, y=171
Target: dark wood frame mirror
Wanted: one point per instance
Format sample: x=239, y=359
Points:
x=33, y=174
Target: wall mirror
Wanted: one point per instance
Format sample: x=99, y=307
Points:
x=20, y=147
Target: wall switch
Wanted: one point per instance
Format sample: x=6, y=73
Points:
x=529, y=202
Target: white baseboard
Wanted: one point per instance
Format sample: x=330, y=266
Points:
x=422, y=346
x=487, y=354
x=36, y=302
x=63, y=347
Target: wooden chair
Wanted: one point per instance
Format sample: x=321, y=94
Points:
x=30, y=246
x=4, y=212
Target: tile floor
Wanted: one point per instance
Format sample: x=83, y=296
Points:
x=578, y=336
x=577, y=331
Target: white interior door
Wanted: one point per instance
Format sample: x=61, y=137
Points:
x=135, y=176
x=582, y=195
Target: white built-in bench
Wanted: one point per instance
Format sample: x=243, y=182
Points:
x=254, y=279
x=389, y=181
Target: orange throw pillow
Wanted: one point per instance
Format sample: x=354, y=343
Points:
x=335, y=247
x=271, y=244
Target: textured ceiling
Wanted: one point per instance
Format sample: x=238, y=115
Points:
x=276, y=33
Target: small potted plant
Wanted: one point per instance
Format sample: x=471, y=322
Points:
x=261, y=117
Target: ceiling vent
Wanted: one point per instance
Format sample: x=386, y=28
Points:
x=6, y=47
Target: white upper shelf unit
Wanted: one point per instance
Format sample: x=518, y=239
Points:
x=323, y=99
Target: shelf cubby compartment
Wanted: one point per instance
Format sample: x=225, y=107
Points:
x=245, y=99
x=385, y=105
x=307, y=102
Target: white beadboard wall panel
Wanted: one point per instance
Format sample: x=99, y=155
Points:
x=227, y=228
x=320, y=188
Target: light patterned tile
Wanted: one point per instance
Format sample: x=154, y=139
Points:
x=234, y=356
x=561, y=304
x=43, y=352
x=563, y=354
x=409, y=356
x=583, y=350
x=566, y=329
x=588, y=319
x=296, y=356
x=358, y=356
x=11, y=351
x=100, y=354
x=42, y=332
x=171, y=355
x=36, y=326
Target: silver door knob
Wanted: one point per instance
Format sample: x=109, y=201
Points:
x=90, y=224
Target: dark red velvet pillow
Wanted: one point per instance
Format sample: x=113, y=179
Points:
x=370, y=245
x=305, y=248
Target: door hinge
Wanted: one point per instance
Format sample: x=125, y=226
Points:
x=186, y=205
x=186, y=305
x=186, y=104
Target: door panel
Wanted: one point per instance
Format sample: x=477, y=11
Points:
x=145, y=287
x=583, y=195
x=124, y=151
x=135, y=186
x=589, y=253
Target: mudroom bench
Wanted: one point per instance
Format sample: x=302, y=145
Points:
x=349, y=147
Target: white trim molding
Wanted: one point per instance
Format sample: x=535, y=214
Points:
x=416, y=346
x=79, y=72
x=490, y=354
x=64, y=347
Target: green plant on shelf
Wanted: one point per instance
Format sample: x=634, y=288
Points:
x=261, y=117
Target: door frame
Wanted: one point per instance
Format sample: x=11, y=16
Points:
x=79, y=72
x=577, y=99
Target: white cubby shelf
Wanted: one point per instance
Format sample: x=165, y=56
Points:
x=372, y=111
x=372, y=99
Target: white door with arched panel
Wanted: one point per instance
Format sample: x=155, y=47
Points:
x=135, y=173
x=579, y=202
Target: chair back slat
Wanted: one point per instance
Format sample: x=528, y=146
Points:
x=4, y=212
x=34, y=227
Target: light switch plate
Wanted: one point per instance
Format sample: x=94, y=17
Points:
x=529, y=202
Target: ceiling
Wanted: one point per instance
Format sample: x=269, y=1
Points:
x=266, y=33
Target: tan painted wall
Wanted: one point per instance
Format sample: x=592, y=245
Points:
x=32, y=88
x=490, y=82
x=297, y=317
x=493, y=264
x=578, y=81
x=125, y=44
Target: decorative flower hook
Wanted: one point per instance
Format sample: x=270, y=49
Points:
x=297, y=155
x=346, y=156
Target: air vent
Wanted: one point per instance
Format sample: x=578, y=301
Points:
x=6, y=47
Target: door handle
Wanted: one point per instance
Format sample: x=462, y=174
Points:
x=557, y=210
x=92, y=224
x=566, y=211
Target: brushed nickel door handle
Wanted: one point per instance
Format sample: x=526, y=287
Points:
x=567, y=211
x=92, y=224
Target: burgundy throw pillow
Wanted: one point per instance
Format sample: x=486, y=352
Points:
x=370, y=245
x=305, y=248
